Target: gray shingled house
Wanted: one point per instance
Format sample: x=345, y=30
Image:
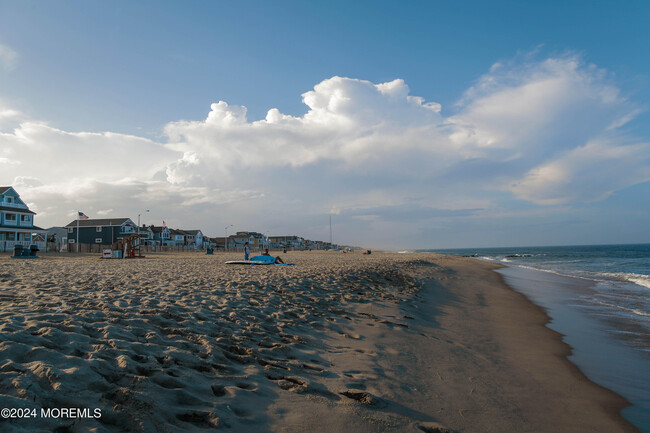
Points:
x=103, y=231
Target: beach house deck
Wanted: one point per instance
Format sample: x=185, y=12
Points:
x=16, y=221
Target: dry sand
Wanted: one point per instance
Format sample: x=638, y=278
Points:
x=339, y=342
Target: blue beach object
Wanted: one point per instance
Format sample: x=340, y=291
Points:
x=259, y=260
x=262, y=260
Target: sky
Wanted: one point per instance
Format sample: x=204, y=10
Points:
x=413, y=125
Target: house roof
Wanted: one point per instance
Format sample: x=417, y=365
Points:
x=3, y=189
x=192, y=232
x=100, y=222
x=157, y=229
x=250, y=234
x=17, y=209
x=57, y=230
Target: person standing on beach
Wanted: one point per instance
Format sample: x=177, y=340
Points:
x=246, y=251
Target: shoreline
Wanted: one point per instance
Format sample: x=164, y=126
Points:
x=540, y=354
x=339, y=342
x=588, y=337
x=589, y=407
x=566, y=350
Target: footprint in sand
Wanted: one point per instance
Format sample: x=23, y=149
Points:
x=352, y=336
x=432, y=427
x=244, y=385
x=200, y=419
x=167, y=382
x=363, y=397
x=218, y=390
x=317, y=368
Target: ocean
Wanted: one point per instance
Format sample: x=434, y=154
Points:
x=598, y=297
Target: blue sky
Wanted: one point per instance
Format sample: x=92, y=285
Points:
x=136, y=80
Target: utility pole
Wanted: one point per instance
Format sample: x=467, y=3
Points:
x=331, y=229
x=225, y=239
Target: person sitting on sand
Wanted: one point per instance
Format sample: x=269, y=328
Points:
x=278, y=259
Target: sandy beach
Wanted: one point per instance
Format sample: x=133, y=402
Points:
x=337, y=343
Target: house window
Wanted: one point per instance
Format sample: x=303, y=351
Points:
x=99, y=229
x=98, y=240
x=10, y=217
x=25, y=218
x=71, y=241
x=70, y=229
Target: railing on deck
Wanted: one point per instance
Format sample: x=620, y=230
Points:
x=14, y=205
x=9, y=245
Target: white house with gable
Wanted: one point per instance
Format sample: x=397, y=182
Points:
x=16, y=221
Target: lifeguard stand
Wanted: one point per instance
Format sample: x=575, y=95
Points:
x=130, y=246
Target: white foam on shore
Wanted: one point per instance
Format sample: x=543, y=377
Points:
x=561, y=274
x=634, y=311
x=638, y=279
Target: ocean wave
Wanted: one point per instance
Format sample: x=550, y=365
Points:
x=561, y=274
x=638, y=279
x=634, y=311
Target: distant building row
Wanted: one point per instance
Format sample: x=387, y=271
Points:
x=17, y=227
x=259, y=241
x=107, y=231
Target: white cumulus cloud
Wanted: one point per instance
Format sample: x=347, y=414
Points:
x=544, y=131
x=587, y=173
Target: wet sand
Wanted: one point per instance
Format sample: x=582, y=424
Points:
x=339, y=342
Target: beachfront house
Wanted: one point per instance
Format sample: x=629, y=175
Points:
x=211, y=242
x=57, y=238
x=218, y=242
x=288, y=242
x=237, y=240
x=319, y=245
x=193, y=238
x=16, y=221
x=256, y=241
x=161, y=235
x=146, y=234
x=176, y=238
x=103, y=231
